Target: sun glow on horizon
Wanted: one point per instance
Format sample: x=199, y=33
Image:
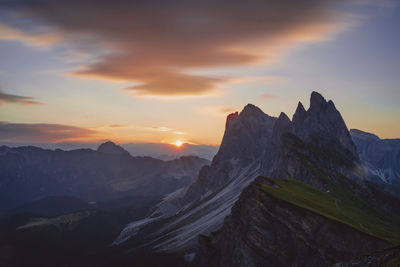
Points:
x=178, y=143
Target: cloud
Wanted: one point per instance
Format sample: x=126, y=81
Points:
x=227, y=110
x=161, y=128
x=118, y=125
x=17, y=99
x=42, y=132
x=220, y=111
x=267, y=96
x=156, y=44
x=41, y=40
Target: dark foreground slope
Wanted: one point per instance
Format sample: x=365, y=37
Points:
x=384, y=258
x=81, y=238
x=284, y=222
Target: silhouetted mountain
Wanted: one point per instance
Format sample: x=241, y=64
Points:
x=314, y=209
x=31, y=173
x=111, y=148
x=161, y=151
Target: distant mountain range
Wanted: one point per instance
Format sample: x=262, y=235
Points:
x=31, y=173
x=304, y=191
x=155, y=150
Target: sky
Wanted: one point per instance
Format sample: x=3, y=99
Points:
x=172, y=70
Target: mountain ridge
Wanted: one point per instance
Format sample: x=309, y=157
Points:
x=88, y=174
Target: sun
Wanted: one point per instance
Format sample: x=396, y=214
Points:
x=178, y=143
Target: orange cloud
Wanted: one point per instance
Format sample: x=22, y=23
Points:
x=43, y=132
x=267, y=96
x=154, y=44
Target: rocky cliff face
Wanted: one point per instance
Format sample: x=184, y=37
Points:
x=381, y=158
x=314, y=138
x=202, y=207
x=265, y=231
x=246, y=138
x=323, y=126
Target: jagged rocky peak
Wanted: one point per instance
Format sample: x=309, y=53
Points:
x=283, y=119
x=282, y=125
x=246, y=133
x=317, y=101
x=300, y=114
x=251, y=110
x=322, y=124
x=111, y=148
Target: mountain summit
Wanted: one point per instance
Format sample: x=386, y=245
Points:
x=323, y=125
x=111, y=148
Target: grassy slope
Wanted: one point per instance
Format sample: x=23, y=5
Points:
x=338, y=204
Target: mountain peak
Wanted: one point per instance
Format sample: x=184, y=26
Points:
x=251, y=110
x=283, y=117
x=317, y=101
x=322, y=123
x=282, y=125
x=111, y=148
x=300, y=114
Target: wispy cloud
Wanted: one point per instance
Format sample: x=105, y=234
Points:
x=161, y=128
x=42, y=132
x=268, y=96
x=17, y=99
x=218, y=110
x=155, y=44
x=41, y=39
x=166, y=129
